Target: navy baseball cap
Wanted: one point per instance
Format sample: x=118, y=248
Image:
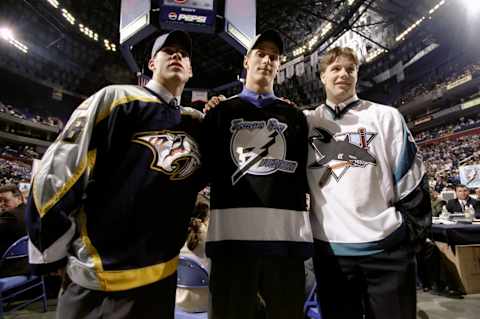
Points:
x=178, y=37
x=268, y=35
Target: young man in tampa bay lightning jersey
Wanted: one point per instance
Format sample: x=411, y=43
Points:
x=255, y=149
x=369, y=200
x=112, y=198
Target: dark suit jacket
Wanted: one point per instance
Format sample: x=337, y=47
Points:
x=453, y=206
x=12, y=228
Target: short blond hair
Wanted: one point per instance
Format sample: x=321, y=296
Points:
x=331, y=55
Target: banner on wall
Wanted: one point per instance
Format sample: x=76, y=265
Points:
x=289, y=71
x=300, y=69
x=280, y=76
x=314, y=58
x=289, y=66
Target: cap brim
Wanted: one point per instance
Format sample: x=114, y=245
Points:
x=268, y=35
x=178, y=37
x=181, y=38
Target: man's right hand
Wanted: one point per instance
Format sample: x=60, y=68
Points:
x=213, y=102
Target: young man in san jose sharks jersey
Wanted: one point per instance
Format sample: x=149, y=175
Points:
x=112, y=196
x=369, y=200
x=259, y=235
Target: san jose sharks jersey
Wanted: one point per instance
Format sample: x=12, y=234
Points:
x=255, y=157
x=113, y=195
x=359, y=167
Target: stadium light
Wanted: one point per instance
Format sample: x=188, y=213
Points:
x=299, y=51
x=6, y=33
x=375, y=53
x=90, y=33
x=312, y=42
x=402, y=35
x=472, y=6
x=109, y=46
x=325, y=29
x=54, y=3
x=68, y=16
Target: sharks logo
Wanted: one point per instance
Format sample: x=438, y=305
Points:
x=340, y=152
x=174, y=153
x=259, y=148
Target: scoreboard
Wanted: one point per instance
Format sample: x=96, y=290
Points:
x=198, y=4
x=188, y=15
x=232, y=20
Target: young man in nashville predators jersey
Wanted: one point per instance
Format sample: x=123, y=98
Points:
x=112, y=197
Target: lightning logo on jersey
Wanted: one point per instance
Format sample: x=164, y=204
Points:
x=174, y=153
x=259, y=148
x=340, y=152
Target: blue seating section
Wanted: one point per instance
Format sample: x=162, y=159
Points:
x=190, y=274
x=311, y=307
x=12, y=288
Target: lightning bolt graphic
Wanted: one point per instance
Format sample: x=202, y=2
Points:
x=241, y=171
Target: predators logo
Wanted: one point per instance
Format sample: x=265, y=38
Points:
x=174, y=153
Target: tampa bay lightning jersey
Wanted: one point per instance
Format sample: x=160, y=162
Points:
x=255, y=157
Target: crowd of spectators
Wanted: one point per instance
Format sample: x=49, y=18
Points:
x=417, y=90
x=444, y=130
x=16, y=163
x=24, y=153
x=14, y=172
x=16, y=160
x=15, y=112
x=445, y=157
x=445, y=77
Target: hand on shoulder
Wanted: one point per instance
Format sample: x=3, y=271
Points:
x=213, y=102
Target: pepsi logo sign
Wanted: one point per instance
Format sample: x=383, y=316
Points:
x=192, y=18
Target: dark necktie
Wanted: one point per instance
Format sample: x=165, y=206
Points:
x=337, y=111
x=173, y=103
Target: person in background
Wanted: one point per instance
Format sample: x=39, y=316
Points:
x=12, y=220
x=440, y=184
x=463, y=200
x=196, y=299
x=12, y=228
x=437, y=203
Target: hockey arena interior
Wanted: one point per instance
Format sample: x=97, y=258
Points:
x=229, y=159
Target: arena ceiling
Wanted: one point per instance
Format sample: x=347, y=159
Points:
x=62, y=53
